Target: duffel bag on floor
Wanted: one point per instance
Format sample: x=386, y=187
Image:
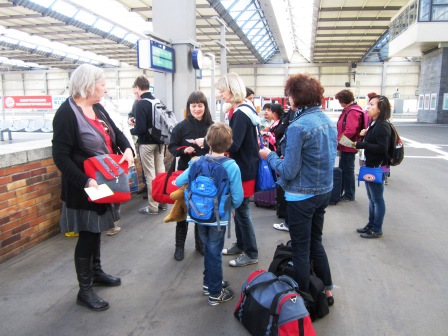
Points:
x=281, y=264
x=270, y=305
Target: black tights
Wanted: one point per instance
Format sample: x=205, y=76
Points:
x=87, y=242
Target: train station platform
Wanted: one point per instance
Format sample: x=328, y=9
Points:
x=390, y=286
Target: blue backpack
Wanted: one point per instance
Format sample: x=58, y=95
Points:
x=208, y=194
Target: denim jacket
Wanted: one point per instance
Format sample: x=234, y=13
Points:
x=309, y=151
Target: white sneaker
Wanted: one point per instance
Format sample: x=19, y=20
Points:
x=242, y=260
x=280, y=227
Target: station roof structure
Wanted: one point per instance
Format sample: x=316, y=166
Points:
x=61, y=34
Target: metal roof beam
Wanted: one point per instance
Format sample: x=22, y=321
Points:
x=359, y=8
x=353, y=27
x=351, y=19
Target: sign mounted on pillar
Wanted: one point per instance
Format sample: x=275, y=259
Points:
x=196, y=59
x=155, y=55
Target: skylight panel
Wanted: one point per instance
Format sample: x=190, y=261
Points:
x=9, y=40
x=103, y=25
x=64, y=8
x=119, y=32
x=27, y=44
x=85, y=17
x=43, y=49
x=132, y=38
x=43, y=3
x=59, y=52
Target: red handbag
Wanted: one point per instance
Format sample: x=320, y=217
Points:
x=162, y=185
x=105, y=169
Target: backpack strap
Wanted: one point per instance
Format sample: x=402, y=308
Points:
x=220, y=161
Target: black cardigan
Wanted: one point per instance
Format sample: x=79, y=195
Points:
x=376, y=144
x=189, y=128
x=244, y=148
x=69, y=158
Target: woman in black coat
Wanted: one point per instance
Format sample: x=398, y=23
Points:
x=81, y=129
x=182, y=145
x=376, y=146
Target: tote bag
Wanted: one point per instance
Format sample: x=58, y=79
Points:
x=162, y=185
x=265, y=180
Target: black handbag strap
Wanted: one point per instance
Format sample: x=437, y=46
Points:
x=170, y=171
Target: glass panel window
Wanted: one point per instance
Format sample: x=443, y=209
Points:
x=439, y=13
x=85, y=17
x=103, y=25
x=64, y=8
x=424, y=10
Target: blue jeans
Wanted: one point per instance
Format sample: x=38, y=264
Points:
x=347, y=165
x=244, y=230
x=306, y=222
x=213, y=244
x=377, y=206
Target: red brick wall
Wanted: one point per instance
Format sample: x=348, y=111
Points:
x=29, y=206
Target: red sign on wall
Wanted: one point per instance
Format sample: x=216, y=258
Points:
x=28, y=102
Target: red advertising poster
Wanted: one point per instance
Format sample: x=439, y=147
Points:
x=28, y=102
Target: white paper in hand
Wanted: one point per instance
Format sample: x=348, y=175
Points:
x=102, y=191
x=344, y=141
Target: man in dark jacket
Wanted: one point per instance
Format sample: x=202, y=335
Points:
x=151, y=153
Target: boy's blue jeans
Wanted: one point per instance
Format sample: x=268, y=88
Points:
x=213, y=244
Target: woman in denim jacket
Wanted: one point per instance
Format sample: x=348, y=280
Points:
x=306, y=175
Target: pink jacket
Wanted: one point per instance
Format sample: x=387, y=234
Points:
x=350, y=123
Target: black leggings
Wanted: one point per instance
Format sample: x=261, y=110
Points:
x=86, y=244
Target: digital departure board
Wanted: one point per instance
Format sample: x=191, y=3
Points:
x=155, y=55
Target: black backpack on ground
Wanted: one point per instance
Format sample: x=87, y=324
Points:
x=316, y=303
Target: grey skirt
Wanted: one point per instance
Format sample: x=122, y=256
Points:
x=75, y=220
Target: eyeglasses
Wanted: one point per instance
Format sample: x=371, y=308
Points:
x=103, y=123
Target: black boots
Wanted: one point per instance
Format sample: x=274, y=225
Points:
x=86, y=296
x=99, y=277
x=198, y=244
x=181, y=236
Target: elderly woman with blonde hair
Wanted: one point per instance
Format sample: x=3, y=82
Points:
x=244, y=151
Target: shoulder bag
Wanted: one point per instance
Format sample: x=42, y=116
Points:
x=369, y=174
x=104, y=169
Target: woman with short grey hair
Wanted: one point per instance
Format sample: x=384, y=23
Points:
x=82, y=128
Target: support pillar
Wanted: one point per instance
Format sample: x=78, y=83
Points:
x=176, y=21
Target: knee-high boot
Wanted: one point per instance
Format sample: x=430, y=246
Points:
x=86, y=295
x=181, y=236
x=100, y=278
x=198, y=244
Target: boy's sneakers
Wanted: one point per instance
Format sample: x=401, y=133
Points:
x=242, y=260
x=225, y=284
x=226, y=295
x=232, y=250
